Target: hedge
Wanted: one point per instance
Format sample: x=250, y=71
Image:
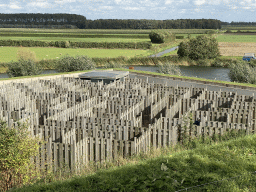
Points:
x=67, y=44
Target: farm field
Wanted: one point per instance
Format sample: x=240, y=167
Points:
x=236, y=38
x=102, y=31
x=8, y=54
x=75, y=39
x=236, y=49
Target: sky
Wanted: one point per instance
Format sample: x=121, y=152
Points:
x=224, y=10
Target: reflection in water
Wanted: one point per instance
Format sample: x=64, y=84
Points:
x=217, y=73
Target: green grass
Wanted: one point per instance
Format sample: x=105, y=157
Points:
x=8, y=54
x=75, y=39
x=236, y=38
x=100, y=31
x=172, y=169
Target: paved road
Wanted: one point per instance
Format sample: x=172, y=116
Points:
x=183, y=83
x=163, y=52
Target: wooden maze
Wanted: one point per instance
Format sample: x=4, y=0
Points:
x=82, y=121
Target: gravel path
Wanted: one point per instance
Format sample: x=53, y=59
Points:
x=163, y=52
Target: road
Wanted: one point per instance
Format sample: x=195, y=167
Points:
x=163, y=52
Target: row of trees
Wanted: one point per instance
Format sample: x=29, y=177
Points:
x=153, y=24
x=31, y=19
x=43, y=19
x=234, y=23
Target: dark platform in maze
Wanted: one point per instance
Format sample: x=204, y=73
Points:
x=105, y=76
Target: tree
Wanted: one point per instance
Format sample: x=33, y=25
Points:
x=201, y=47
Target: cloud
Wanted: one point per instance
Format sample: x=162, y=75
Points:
x=107, y=7
x=168, y=2
x=39, y=4
x=133, y=8
x=64, y=1
x=14, y=5
x=199, y=2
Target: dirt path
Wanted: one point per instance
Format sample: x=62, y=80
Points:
x=236, y=49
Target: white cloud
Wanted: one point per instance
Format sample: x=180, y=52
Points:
x=106, y=7
x=167, y=2
x=64, y=1
x=199, y=2
x=132, y=8
x=39, y=4
x=14, y=6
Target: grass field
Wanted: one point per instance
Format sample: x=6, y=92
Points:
x=8, y=54
x=236, y=38
x=101, y=31
x=75, y=39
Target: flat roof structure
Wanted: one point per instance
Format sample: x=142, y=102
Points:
x=105, y=76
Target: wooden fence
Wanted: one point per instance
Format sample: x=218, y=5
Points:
x=82, y=121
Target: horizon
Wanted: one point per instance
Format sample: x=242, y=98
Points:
x=223, y=10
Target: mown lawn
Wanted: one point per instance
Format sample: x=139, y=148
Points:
x=8, y=54
x=75, y=39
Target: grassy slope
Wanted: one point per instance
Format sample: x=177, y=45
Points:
x=172, y=171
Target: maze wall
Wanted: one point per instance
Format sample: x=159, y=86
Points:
x=82, y=121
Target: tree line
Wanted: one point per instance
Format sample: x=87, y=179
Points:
x=153, y=24
x=39, y=19
x=31, y=19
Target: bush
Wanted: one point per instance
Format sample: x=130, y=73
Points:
x=201, y=47
x=179, y=37
x=24, y=68
x=26, y=54
x=16, y=149
x=168, y=68
x=203, y=62
x=78, y=63
x=159, y=36
x=112, y=64
x=242, y=72
x=222, y=62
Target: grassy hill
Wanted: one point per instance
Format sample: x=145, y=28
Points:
x=226, y=166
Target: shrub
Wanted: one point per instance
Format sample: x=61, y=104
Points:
x=112, y=64
x=78, y=63
x=26, y=54
x=179, y=37
x=201, y=47
x=24, y=68
x=221, y=62
x=168, y=68
x=203, y=62
x=159, y=36
x=16, y=149
x=242, y=72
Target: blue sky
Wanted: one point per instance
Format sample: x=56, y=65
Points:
x=224, y=10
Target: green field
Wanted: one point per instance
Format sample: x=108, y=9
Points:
x=236, y=38
x=101, y=31
x=75, y=39
x=8, y=54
